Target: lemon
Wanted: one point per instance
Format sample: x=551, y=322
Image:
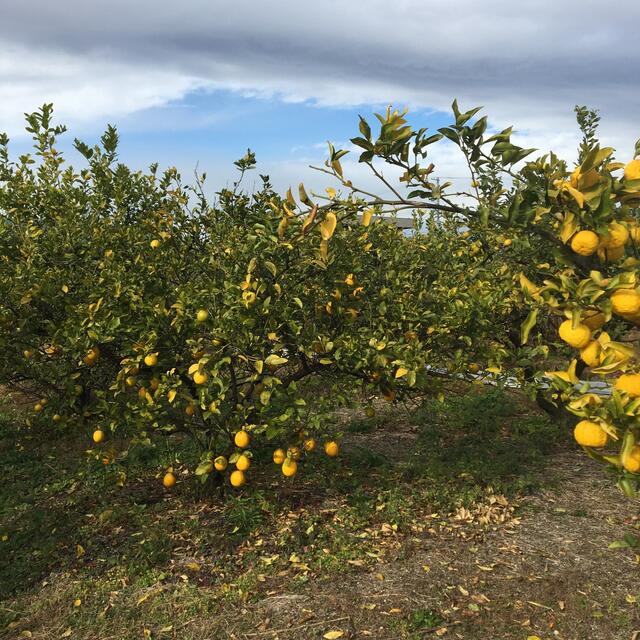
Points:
x=151, y=360
x=237, y=478
x=220, y=463
x=617, y=236
x=590, y=434
x=631, y=462
x=202, y=315
x=625, y=302
x=289, y=467
x=190, y=410
x=629, y=383
x=331, y=448
x=632, y=170
x=585, y=243
x=169, y=480
x=243, y=463
x=578, y=337
x=309, y=444
x=279, y=455
x=610, y=255
x=242, y=439
x=591, y=354
x=154, y=244
x=98, y=436
x=200, y=377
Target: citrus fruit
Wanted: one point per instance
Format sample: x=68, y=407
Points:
x=585, y=243
x=202, y=315
x=169, y=480
x=632, y=170
x=331, y=448
x=631, y=462
x=279, y=455
x=370, y=412
x=309, y=444
x=625, y=302
x=200, y=377
x=154, y=244
x=289, y=467
x=242, y=439
x=590, y=434
x=629, y=383
x=578, y=337
x=237, y=478
x=220, y=463
x=591, y=354
x=98, y=436
x=243, y=463
x=151, y=360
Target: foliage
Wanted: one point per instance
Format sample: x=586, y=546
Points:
x=132, y=305
x=578, y=230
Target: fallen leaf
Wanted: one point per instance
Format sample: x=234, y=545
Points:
x=333, y=635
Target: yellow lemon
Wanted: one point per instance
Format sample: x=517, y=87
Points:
x=631, y=462
x=190, y=410
x=590, y=434
x=632, y=170
x=629, y=383
x=578, y=337
x=154, y=244
x=585, y=243
x=591, y=354
x=610, y=255
x=237, y=478
x=37, y=407
x=202, y=315
x=279, y=456
x=220, y=463
x=151, y=360
x=200, y=377
x=289, y=467
x=98, y=436
x=243, y=463
x=331, y=448
x=242, y=439
x=625, y=302
x=169, y=480
x=617, y=236
x=309, y=444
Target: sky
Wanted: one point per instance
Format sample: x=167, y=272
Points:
x=197, y=82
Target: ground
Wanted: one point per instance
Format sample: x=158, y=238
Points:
x=473, y=519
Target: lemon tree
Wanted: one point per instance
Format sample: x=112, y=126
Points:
x=133, y=309
x=574, y=233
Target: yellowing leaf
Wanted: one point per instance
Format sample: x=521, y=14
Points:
x=273, y=360
x=366, y=217
x=328, y=225
x=309, y=219
x=333, y=635
x=258, y=365
x=401, y=372
x=79, y=551
x=172, y=395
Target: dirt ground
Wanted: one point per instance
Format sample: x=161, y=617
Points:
x=545, y=572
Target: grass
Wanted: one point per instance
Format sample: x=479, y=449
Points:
x=135, y=554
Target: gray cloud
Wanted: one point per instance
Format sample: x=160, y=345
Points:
x=527, y=62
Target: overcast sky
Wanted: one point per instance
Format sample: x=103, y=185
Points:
x=199, y=81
